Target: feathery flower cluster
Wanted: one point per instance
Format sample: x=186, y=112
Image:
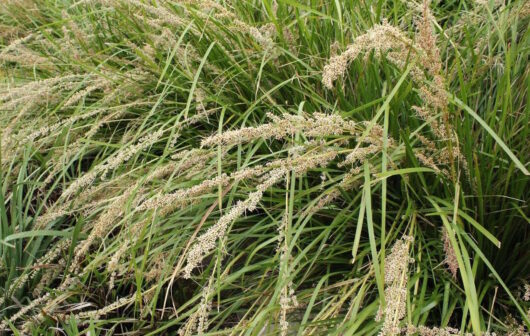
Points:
x=96, y=314
x=58, y=211
x=76, y=97
x=197, y=323
x=288, y=301
x=122, y=156
x=450, y=257
x=34, y=91
x=23, y=311
x=207, y=242
x=398, y=49
x=381, y=38
x=45, y=130
x=209, y=7
x=316, y=125
x=112, y=266
x=49, y=257
x=426, y=331
x=175, y=200
x=49, y=276
x=288, y=298
x=156, y=267
x=184, y=196
x=28, y=96
x=102, y=226
x=396, y=278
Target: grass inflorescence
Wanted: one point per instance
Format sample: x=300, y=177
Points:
x=264, y=167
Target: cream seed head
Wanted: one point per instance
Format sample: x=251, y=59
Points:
x=450, y=257
x=380, y=38
x=316, y=125
x=113, y=162
x=207, y=242
x=96, y=314
x=396, y=279
x=112, y=266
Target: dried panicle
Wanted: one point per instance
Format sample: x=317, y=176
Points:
x=196, y=158
x=112, y=162
x=316, y=125
x=427, y=41
x=396, y=278
x=524, y=11
x=428, y=161
x=435, y=331
x=397, y=262
x=181, y=197
x=486, y=3
x=58, y=163
x=209, y=8
x=513, y=327
x=204, y=308
x=207, y=242
x=399, y=49
x=124, y=155
x=288, y=300
x=97, y=85
x=526, y=296
x=169, y=202
x=360, y=154
x=47, y=258
x=101, y=226
x=28, y=96
x=197, y=323
x=96, y=314
x=161, y=13
x=49, y=276
x=304, y=163
x=16, y=43
x=25, y=57
x=156, y=267
x=52, y=214
x=113, y=265
x=380, y=39
x=45, y=130
x=263, y=39
x=35, y=90
x=184, y=196
x=24, y=310
x=450, y=257
x=427, y=115
x=434, y=94
x=429, y=145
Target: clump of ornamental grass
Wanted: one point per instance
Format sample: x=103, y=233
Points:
x=200, y=167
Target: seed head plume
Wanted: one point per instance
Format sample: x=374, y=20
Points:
x=450, y=257
x=396, y=278
x=288, y=300
x=207, y=242
x=122, y=156
x=197, y=323
x=316, y=125
x=381, y=39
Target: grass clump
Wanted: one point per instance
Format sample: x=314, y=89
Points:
x=264, y=167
